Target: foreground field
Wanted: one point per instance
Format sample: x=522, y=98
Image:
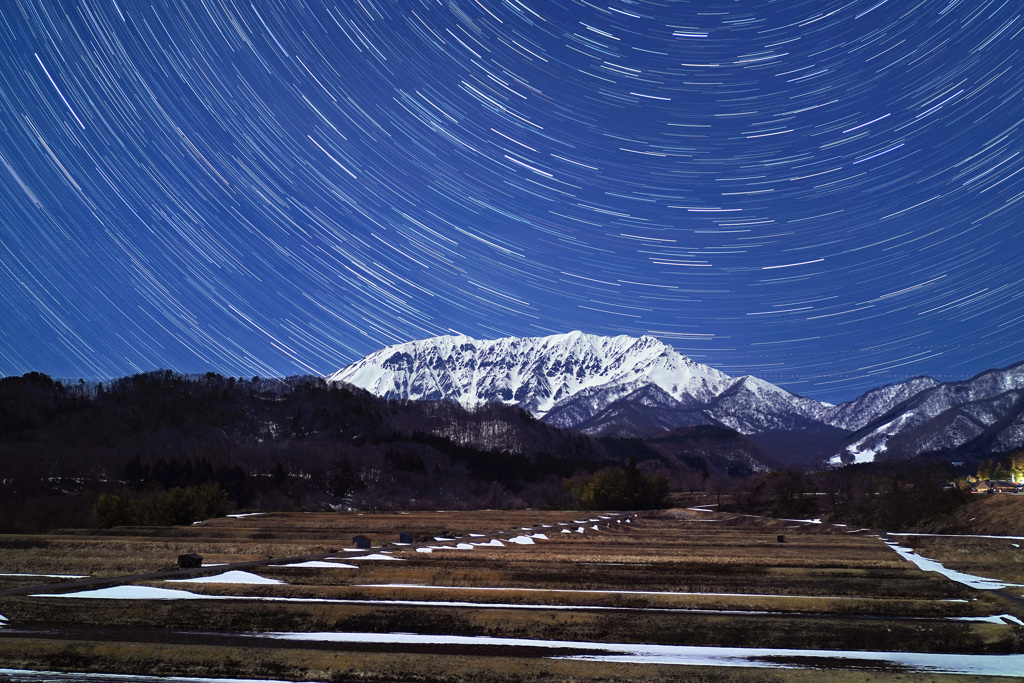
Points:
x=506, y=595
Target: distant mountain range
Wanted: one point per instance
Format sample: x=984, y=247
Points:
x=627, y=386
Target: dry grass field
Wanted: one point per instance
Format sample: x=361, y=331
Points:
x=486, y=612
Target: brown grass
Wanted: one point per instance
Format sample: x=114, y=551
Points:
x=822, y=588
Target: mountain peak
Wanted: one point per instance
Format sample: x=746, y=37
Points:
x=538, y=374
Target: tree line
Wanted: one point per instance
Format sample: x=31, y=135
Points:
x=162, y=447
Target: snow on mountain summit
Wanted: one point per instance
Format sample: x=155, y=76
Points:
x=535, y=373
x=632, y=386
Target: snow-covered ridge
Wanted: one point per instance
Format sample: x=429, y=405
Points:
x=632, y=386
x=535, y=373
x=540, y=374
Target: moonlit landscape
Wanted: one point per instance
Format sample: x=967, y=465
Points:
x=820, y=193
x=511, y=340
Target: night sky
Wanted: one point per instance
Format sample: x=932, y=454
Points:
x=822, y=193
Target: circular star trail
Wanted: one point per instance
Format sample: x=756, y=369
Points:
x=823, y=193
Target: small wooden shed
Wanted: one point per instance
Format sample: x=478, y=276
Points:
x=405, y=537
x=190, y=561
x=361, y=541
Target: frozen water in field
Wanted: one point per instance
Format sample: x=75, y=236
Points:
x=916, y=662
x=979, y=582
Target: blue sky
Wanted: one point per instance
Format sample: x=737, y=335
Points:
x=821, y=193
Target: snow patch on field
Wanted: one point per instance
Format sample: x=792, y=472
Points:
x=234, y=576
x=132, y=593
x=318, y=564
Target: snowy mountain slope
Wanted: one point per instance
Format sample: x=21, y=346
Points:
x=629, y=386
x=874, y=403
x=941, y=417
x=643, y=412
x=537, y=373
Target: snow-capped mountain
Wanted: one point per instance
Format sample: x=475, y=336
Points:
x=984, y=413
x=629, y=386
x=537, y=374
x=583, y=381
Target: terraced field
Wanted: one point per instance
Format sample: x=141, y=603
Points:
x=506, y=595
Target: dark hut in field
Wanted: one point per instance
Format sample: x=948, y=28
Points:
x=405, y=537
x=190, y=561
x=361, y=541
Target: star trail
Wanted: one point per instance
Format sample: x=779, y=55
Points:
x=822, y=193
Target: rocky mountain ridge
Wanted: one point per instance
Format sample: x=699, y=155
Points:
x=628, y=386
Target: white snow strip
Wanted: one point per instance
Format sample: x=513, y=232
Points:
x=27, y=676
x=132, y=593
x=488, y=605
x=424, y=550
x=985, y=665
x=318, y=564
x=493, y=543
x=49, y=576
x=542, y=537
x=246, y=514
x=233, y=576
x=907, y=533
x=376, y=556
x=521, y=540
x=979, y=582
x=1000, y=619
x=601, y=592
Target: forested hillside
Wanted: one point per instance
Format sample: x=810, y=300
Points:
x=164, y=448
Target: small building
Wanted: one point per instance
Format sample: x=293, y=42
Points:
x=405, y=537
x=361, y=541
x=190, y=561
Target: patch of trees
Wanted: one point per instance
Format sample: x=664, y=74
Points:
x=160, y=508
x=1009, y=468
x=621, y=488
x=894, y=495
